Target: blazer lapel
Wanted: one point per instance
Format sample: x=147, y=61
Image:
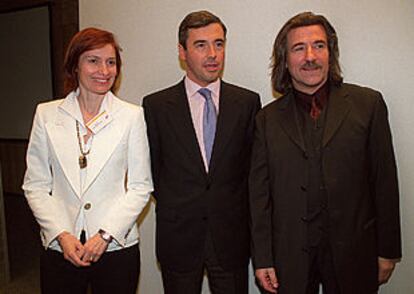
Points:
x=62, y=134
x=104, y=144
x=288, y=110
x=226, y=121
x=338, y=108
x=181, y=123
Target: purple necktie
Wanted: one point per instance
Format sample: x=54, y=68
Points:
x=209, y=122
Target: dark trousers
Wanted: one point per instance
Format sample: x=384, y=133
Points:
x=322, y=270
x=115, y=272
x=220, y=281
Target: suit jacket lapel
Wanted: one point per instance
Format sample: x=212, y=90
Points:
x=338, y=108
x=181, y=124
x=288, y=110
x=104, y=144
x=226, y=121
x=62, y=134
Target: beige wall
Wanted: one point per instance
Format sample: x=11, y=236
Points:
x=376, y=41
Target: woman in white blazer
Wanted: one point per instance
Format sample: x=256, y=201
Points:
x=88, y=175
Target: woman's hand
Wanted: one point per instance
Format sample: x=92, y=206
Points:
x=73, y=250
x=94, y=248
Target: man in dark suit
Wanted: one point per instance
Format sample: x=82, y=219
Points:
x=201, y=133
x=323, y=186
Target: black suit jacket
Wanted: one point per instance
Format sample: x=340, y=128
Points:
x=190, y=201
x=359, y=173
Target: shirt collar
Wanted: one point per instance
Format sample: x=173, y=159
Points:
x=71, y=105
x=192, y=87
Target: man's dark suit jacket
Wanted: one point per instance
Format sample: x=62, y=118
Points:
x=190, y=201
x=359, y=172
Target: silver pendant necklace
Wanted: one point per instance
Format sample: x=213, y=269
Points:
x=83, y=162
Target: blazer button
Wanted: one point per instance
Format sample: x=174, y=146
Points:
x=305, y=155
x=87, y=206
x=303, y=188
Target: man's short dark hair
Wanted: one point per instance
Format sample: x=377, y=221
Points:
x=194, y=20
x=281, y=79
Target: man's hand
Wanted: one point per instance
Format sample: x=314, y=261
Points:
x=385, y=269
x=267, y=279
x=73, y=249
x=94, y=248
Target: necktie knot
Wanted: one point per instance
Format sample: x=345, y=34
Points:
x=206, y=93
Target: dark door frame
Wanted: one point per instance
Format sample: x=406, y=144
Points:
x=64, y=23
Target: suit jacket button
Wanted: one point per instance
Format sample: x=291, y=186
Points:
x=305, y=155
x=87, y=206
x=303, y=188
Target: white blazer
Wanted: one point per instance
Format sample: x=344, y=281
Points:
x=118, y=181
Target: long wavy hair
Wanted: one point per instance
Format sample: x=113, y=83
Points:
x=281, y=79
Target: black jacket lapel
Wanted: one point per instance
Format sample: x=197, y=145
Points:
x=182, y=125
x=338, y=108
x=288, y=110
x=226, y=121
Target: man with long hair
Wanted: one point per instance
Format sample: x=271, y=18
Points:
x=323, y=183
